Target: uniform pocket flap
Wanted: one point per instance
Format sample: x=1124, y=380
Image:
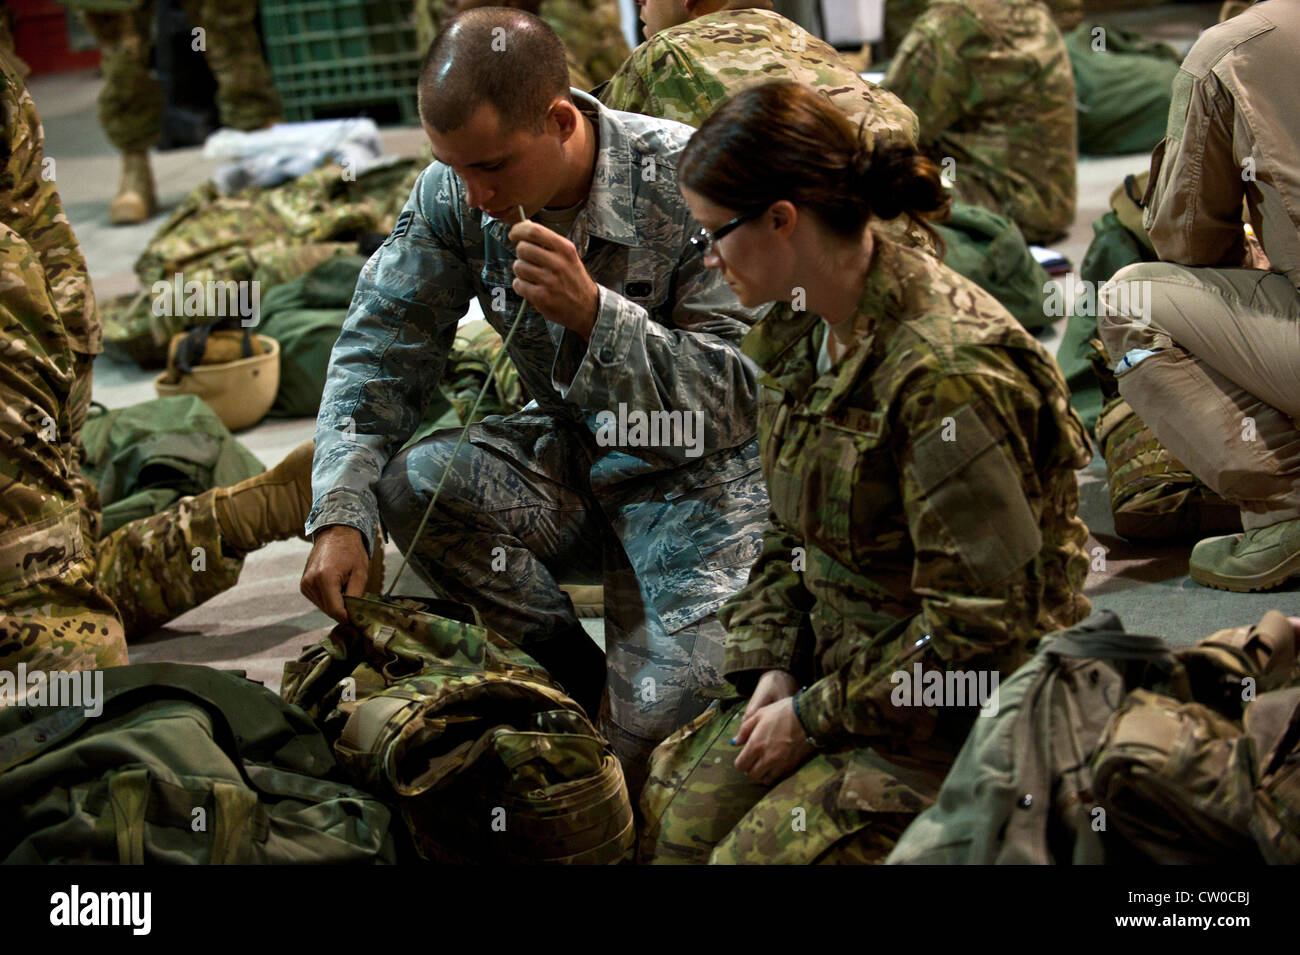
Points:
x=874, y=784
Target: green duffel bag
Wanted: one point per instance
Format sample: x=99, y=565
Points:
x=486, y=756
x=149, y=454
x=990, y=251
x=1123, y=90
x=185, y=764
x=305, y=316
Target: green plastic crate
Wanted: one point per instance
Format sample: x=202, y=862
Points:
x=331, y=56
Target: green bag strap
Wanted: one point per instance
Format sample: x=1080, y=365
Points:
x=236, y=809
x=128, y=794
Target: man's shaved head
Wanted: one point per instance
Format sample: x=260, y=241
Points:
x=508, y=59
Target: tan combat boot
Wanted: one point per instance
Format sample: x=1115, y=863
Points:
x=135, y=199
x=270, y=507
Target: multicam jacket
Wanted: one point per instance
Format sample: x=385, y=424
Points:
x=667, y=339
x=991, y=85
x=923, y=500
x=686, y=72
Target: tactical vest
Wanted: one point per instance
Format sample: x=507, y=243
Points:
x=487, y=758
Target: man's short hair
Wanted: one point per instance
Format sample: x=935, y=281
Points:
x=509, y=59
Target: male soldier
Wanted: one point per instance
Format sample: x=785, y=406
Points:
x=623, y=324
x=991, y=84
x=68, y=600
x=591, y=30
x=1208, y=356
x=131, y=102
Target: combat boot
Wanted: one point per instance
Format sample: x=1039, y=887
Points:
x=1259, y=559
x=270, y=507
x=135, y=199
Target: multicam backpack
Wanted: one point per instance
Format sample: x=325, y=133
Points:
x=1152, y=495
x=487, y=758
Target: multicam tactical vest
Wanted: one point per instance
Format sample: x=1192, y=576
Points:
x=484, y=754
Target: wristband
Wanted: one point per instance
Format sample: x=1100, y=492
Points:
x=799, y=716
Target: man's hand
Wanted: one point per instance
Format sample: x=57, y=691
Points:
x=775, y=744
x=549, y=274
x=772, y=686
x=338, y=565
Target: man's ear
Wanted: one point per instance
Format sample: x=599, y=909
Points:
x=562, y=116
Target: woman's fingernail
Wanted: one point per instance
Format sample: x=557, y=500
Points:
x=733, y=741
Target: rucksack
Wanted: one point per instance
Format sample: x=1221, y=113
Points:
x=1023, y=790
x=185, y=764
x=143, y=457
x=1152, y=495
x=1216, y=779
x=484, y=754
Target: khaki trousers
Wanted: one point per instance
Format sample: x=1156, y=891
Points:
x=1222, y=391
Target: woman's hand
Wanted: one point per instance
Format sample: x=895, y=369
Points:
x=775, y=743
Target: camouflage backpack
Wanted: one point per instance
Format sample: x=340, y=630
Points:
x=1152, y=495
x=172, y=764
x=487, y=758
x=1216, y=780
x=1025, y=788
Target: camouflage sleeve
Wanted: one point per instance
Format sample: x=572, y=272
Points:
x=388, y=359
x=766, y=617
x=930, y=72
x=687, y=360
x=658, y=81
x=32, y=209
x=627, y=89
x=973, y=510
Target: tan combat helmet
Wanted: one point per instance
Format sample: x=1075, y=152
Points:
x=237, y=373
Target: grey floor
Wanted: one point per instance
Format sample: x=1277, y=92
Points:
x=264, y=621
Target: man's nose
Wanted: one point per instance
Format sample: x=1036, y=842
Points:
x=477, y=193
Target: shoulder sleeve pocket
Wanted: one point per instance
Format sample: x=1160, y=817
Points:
x=968, y=483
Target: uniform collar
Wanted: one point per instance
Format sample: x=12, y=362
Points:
x=609, y=211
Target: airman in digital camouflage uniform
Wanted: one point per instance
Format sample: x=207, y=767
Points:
x=919, y=450
x=131, y=102
x=623, y=322
x=590, y=29
x=695, y=59
x=68, y=599
x=991, y=84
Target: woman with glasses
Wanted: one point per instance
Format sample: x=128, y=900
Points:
x=919, y=450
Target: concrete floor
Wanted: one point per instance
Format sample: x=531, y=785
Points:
x=264, y=621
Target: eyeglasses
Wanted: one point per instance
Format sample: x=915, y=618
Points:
x=704, y=240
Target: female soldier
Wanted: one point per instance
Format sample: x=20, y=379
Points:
x=920, y=452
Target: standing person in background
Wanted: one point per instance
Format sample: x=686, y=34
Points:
x=919, y=451
x=1212, y=363
x=991, y=85
x=131, y=102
